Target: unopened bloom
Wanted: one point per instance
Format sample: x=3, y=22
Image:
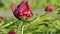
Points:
x=22, y=10
x=1, y=18
x=49, y=9
x=12, y=32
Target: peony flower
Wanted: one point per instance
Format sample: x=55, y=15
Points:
x=22, y=10
x=49, y=9
x=12, y=32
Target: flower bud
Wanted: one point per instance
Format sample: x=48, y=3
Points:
x=12, y=32
x=49, y=9
x=22, y=10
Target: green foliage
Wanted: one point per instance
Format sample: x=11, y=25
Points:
x=48, y=23
x=44, y=24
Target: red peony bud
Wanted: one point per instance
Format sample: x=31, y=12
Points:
x=22, y=10
x=49, y=8
x=11, y=32
x=1, y=18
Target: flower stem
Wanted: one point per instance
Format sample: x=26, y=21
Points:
x=23, y=30
x=19, y=27
x=23, y=27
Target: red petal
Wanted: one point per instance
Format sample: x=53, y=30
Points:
x=20, y=4
x=22, y=8
x=13, y=6
x=29, y=14
x=27, y=4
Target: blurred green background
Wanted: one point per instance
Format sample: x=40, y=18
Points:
x=36, y=6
